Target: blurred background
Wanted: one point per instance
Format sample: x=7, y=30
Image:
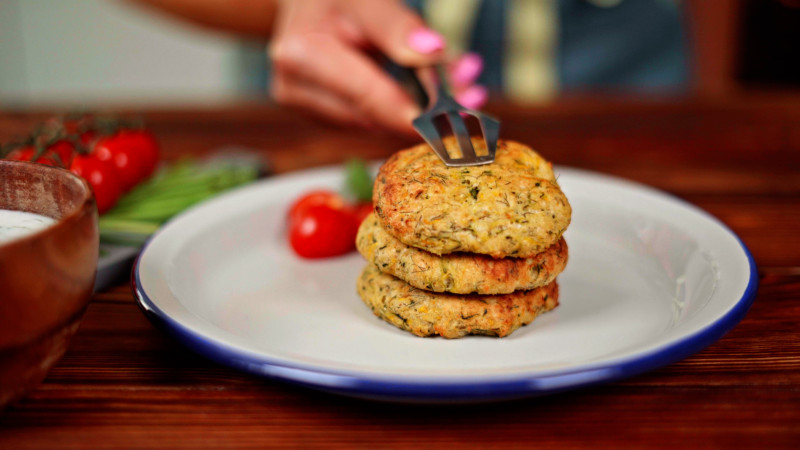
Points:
x=95, y=52
x=101, y=52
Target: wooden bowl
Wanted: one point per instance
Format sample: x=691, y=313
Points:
x=46, y=278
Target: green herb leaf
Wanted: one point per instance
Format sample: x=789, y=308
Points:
x=358, y=181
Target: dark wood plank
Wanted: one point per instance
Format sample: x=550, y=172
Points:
x=767, y=224
x=603, y=416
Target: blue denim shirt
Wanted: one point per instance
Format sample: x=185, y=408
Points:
x=634, y=45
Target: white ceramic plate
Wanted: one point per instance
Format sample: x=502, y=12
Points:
x=650, y=280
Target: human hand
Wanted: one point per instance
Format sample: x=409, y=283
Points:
x=320, y=51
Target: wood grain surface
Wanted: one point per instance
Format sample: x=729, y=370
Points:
x=123, y=383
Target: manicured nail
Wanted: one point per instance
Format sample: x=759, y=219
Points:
x=467, y=69
x=425, y=40
x=473, y=97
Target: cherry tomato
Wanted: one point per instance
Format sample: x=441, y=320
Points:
x=87, y=137
x=27, y=153
x=147, y=147
x=102, y=176
x=318, y=197
x=320, y=231
x=81, y=127
x=122, y=157
x=361, y=211
x=133, y=152
x=21, y=154
x=65, y=151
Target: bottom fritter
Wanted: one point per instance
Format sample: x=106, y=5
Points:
x=449, y=315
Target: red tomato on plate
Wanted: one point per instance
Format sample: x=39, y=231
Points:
x=321, y=231
x=102, y=177
x=313, y=198
x=361, y=211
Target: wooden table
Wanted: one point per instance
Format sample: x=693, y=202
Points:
x=123, y=383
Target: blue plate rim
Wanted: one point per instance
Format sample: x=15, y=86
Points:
x=416, y=389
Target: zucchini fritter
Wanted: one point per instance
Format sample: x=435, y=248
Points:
x=510, y=208
x=449, y=315
x=458, y=273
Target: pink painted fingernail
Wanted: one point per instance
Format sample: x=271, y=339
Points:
x=425, y=40
x=467, y=69
x=473, y=97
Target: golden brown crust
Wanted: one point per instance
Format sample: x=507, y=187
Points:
x=512, y=207
x=458, y=273
x=451, y=316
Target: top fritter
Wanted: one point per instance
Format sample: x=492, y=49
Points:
x=510, y=208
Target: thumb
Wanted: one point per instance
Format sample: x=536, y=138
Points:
x=397, y=31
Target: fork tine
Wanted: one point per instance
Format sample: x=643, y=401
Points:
x=462, y=134
x=430, y=127
x=427, y=129
x=491, y=132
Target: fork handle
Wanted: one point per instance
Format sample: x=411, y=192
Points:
x=410, y=81
x=442, y=85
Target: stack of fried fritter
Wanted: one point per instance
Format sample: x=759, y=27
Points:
x=464, y=250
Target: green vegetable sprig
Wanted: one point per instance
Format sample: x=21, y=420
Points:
x=142, y=211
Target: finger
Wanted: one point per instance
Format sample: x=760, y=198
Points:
x=306, y=48
x=473, y=97
x=296, y=93
x=349, y=74
x=349, y=31
x=397, y=31
x=466, y=69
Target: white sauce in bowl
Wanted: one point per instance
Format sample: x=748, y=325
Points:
x=17, y=224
